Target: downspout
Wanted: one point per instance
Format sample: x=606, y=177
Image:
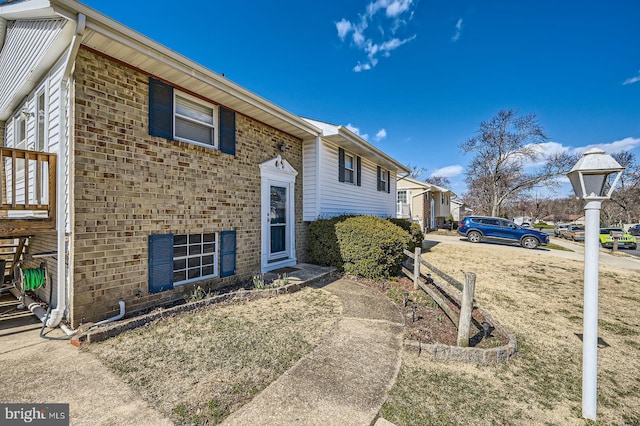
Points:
x=65, y=137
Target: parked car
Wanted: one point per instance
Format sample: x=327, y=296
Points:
x=482, y=228
x=559, y=229
x=574, y=233
x=626, y=241
x=635, y=230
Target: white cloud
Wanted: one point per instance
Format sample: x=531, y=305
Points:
x=632, y=79
x=456, y=36
x=374, y=42
x=356, y=131
x=626, y=144
x=343, y=27
x=448, y=171
x=382, y=133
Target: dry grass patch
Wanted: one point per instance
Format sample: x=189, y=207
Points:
x=539, y=298
x=198, y=367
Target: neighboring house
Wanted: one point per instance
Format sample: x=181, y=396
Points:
x=426, y=204
x=340, y=166
x=144, y=171
x=459, y=210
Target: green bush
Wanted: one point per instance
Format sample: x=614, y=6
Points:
x=323, y=244
x=371, y=247
x=415, y=234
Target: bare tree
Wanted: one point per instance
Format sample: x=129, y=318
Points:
x=506, y=147
x=440, y=181
x=625, y=198
x=416, y=172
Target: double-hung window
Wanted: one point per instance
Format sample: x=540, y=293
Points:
x=195, y=121
x=349, y=168
x=175, y=115
x=402, y=197
x=383, y=180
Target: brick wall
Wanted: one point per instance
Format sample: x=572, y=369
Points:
x=129, y=185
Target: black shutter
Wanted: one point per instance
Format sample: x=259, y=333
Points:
x=160, y=263
x=388, y=182
x=227, y=253
x=340, y=164
x=227, y=131
x=379, y=172
x=359, y=170
x=160, y=109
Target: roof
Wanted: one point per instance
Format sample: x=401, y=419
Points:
x=117, y=41
x=414, y=183
x=345, y=138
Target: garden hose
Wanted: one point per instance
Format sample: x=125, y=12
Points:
x=33, y=278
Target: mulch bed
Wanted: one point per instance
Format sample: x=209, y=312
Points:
x=428, y=323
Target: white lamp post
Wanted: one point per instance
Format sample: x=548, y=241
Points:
x=593, y=178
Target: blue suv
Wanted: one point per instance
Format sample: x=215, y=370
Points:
x=478, y=228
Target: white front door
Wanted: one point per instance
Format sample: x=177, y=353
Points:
x=278, y=214
x=278, y=221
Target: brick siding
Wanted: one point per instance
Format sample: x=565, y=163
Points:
x=129, y=185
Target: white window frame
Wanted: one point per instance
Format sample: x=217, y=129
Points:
x=406, y=196
x=384, y=185
x=18, y=122
x=214, y=119
x=198, y=253
x=42, y=115
x=352, y=179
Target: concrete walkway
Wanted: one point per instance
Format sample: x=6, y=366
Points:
x=344, y=381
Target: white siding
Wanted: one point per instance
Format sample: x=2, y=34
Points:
x=26, y=44
x=51, y=87
x=338, y=198
x=309, y=181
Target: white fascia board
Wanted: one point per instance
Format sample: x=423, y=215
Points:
x=32, y=9
x=128, y=37
x=342, y=136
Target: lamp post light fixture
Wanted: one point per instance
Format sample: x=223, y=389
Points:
x=593, y=178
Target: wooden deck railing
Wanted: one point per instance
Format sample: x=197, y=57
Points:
x=28, y=191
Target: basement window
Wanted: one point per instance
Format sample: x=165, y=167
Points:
x=194, y=257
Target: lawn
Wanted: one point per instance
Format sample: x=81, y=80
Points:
x=198, y=367
x=539, y=298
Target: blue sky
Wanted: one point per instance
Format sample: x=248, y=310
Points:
x=416, y=78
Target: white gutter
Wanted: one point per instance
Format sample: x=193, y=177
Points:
x=65, y=136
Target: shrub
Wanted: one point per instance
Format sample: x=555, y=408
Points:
x=371, y=247
x=323, y=244
x=416, y=237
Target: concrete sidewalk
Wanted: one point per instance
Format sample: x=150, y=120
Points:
x=344, y=381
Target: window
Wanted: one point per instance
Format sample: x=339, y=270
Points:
x=194, y=121
x=349, y=167
x=383, y=180
x=20, y=141
x=176, y=115
x=187, y=258
x=194, y=257
x=41, y=130
x=402, y=197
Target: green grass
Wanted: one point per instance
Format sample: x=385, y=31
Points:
x=553, y=246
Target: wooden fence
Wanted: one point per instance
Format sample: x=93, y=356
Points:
x=444, y=297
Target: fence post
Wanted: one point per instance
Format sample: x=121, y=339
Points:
x=416, y=269
x=465, y=309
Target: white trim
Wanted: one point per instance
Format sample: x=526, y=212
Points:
x=277, y=172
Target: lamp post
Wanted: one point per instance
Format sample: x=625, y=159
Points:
x=593, y=178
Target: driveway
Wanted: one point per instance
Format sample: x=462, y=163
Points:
x=622, y=260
